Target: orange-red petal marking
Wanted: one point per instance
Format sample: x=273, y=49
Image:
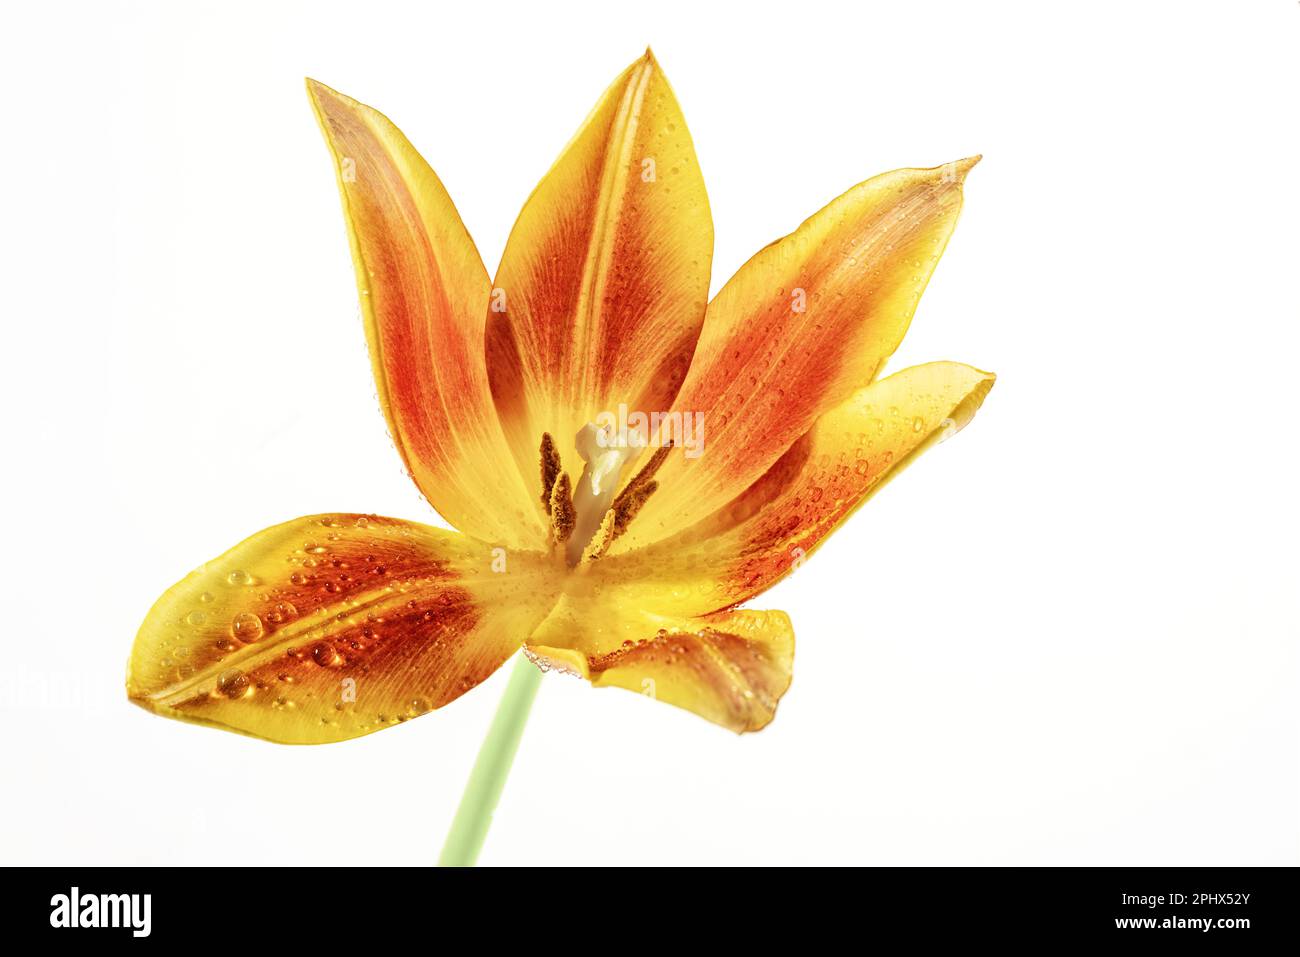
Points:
x=603, y=284
x=424, y=293
x=730, y=668
x=332, y=626
x=801, y=326
x=768, y=531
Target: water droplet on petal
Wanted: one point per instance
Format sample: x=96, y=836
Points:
x=246, y=627
x=232, y=683
x=326, y=656
x=284, y=611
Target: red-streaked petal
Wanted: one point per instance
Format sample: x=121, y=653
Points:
x=768, y=531
x=332, y=626
x=802, y=325
x=602, y=287
x=730, y=668
x=423, y=295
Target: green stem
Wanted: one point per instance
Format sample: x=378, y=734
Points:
x=483, y=790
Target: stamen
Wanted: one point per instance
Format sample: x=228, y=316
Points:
x=627, y=505
x=560, y=505
x=641, y=487
x=550, y=469
x=601, y=541
x=643, y=477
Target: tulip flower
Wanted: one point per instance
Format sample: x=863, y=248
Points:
x=625, y=462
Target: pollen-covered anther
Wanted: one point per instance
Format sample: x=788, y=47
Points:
x=651, y=467
x=603, y=538
x=628, y=504
x=560, y=507
x=642, y=486
x=550, y=469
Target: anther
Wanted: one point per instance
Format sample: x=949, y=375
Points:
x=628, y=504
x=601, y=541
x=646, y=474
x=642, y=486
x=560, y=505
x=550, y=469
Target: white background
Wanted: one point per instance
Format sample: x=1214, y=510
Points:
x=1067, y=637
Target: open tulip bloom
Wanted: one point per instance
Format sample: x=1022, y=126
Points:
x=625, y=461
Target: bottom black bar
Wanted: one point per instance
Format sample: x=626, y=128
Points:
x=1230, y=907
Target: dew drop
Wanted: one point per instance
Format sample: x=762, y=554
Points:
x=326, y=656
x=232, y=683
x=246, y=627
x=918, y=424
x=195, y=618
x=284, y=611
x=238, y=577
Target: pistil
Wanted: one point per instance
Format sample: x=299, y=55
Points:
x=606, y=453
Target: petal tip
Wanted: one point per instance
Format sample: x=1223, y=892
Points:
x=315, y=87
x=963, y=166
x=325, y=98
x=645, y=64
x=965, y=410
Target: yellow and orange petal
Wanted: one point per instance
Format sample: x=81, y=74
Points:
x=731, y=668
x=333, y=626
x=800, y=327
x=775, y=525
x=602, y=288
x=424, y=293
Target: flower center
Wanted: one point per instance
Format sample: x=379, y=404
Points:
x=605, y=453
x=587, y=518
